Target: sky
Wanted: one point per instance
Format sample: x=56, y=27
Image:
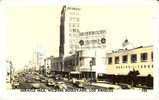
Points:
x=29, y=26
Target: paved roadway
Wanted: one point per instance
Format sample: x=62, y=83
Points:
x=29, y=81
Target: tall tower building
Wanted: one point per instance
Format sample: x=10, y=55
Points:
x=38, y=58
x=62, y=32
x=69, y=31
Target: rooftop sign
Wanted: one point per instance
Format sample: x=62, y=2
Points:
x=93, y=39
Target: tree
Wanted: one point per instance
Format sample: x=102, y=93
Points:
x=133, y=76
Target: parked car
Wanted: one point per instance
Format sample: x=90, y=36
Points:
x=37, y=78
x=28, y=80
x=43, y=80
x=51, y=82
x=79, y=84
x=35, y=85
x=62, y=85
x=125, y=86
x=15, y=84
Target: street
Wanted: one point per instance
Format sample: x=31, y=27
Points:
x=32, y=81
x=38, y=81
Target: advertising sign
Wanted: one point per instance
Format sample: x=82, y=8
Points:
x=93, y=39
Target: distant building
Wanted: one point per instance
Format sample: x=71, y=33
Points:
x=123, y=61
x=48, y=65
x=38, y=59
x=10, y=72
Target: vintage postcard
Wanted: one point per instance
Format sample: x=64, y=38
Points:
x=101, y=51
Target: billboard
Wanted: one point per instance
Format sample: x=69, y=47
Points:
x=93, y=39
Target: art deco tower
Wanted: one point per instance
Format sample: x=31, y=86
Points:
x=69, y=31
x=62, y=32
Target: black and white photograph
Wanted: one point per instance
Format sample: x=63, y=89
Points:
x=67, y=48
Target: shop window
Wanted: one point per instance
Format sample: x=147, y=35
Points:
x=143, y=57
x=117, y=60
x=125, y=58
x=133, y=58
x=110, y=60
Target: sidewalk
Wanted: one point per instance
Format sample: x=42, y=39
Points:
x=106, y=85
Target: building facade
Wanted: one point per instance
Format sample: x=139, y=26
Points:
x=10, y=72
x=123, y=61
x=38, y=58
x=78, y=49
x=69, y=31
x=48, y=65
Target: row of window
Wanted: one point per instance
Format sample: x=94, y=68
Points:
x=74, y=13
x=133, y=58
x=74, y=25
x=74, y=46
x=75, y=35
x=73, y=19
x=74, y=30
x=139, y=66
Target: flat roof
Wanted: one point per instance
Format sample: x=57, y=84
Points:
x=122, y=50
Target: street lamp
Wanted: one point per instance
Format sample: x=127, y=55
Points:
x=91, y=63
x=81, y=42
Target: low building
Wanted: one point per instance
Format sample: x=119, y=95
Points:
x=87, y=63
x=53, y=66
x=57, y=65
x=10, y=72
x=123, y=61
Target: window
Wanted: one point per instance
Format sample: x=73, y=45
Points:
x=144, y=66
x=152, y=56
x=133, y=58
x=143, y=57
x=78, y=30
x=148, y=66
x=117, y=60
x=77, y=19
x=74, y=30
x=141, y=66
x=125, y=59
x=110, y=60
